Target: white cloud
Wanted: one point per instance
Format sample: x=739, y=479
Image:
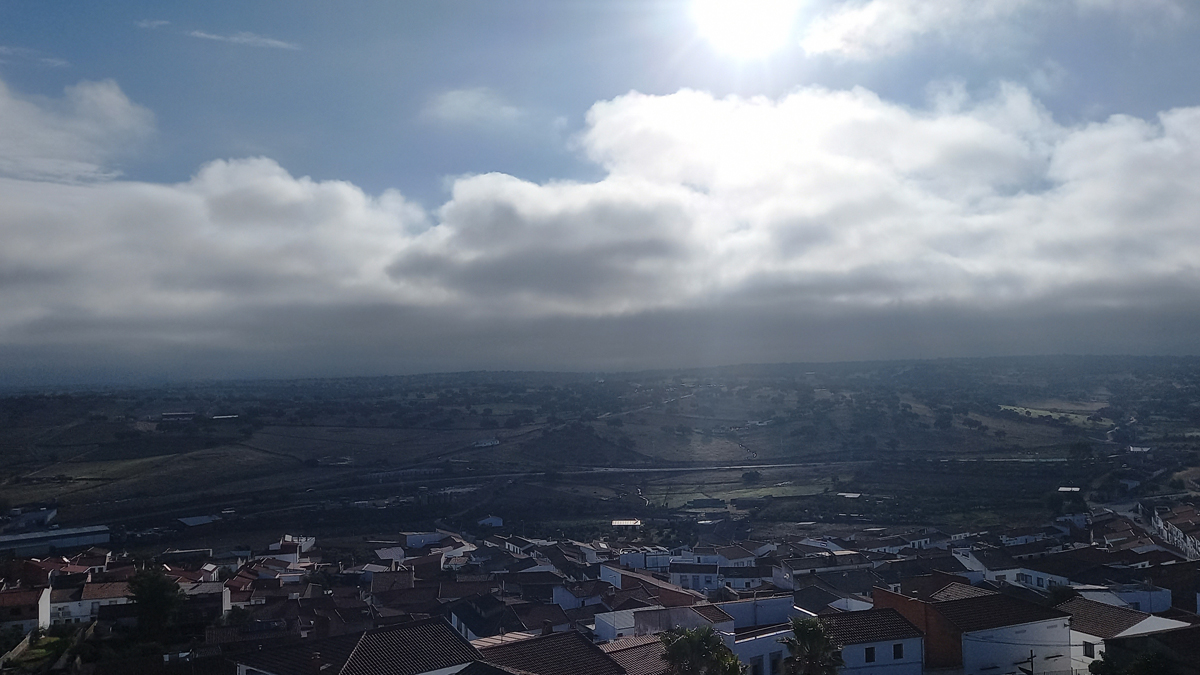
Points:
x=245, y=38
x=472, y=106
x=151, y=24
x=869, y=29
x=819, y=203
x=74, y=138
x=30, y=55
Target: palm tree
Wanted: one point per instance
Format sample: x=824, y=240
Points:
x=811, y=650
x=698, y=651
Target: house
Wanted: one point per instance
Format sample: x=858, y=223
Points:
x=482, y=616
x=1179, y=647
x=491, y=521
x=759, y=649
x=654, y=558
x=25, y=609
x=640, y=655
x=663, y=592
x=82, y=604
x=876, y=641
x=789, y=572
x=422, y=647
x=1093, y=623
x=654, y=621
x=742, y=578
x=581, y=594
x=983, y=632
x=696, y=576
x=568, y=653
x=618, y=623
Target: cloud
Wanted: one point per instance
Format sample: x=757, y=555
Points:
x=75, y=138
x=474, y=106
x=151, y=24
x=30, y=55
x=821, y=224
x=870, y=29
x=245, y=38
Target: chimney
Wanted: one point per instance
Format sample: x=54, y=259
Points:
x=547, y=627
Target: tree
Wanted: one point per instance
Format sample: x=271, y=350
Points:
x=698, y=651
x=157, y=597
x=811, y=650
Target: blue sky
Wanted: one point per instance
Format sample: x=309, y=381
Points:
x=579, y=185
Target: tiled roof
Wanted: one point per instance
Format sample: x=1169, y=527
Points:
x=566, y=653
x=993, y=611
x=391, y=581
x=409, y=649
x=65, y=594
x=814, y=598
x=533, y=615
x=1099, y=619
x=641, y=655
x=485, y=668
x=20, y=597
x=734, y=552
x=957, y=591
x=712, y=613
x=404, y=649
x=872, y=625
x=113, y=589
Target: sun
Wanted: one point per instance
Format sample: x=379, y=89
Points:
x=745, y=29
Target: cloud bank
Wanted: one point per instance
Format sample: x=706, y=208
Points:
x=821, y=225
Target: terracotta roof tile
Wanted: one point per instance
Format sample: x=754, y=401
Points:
x=993, y=611
x=566, y=653
x=641, y=655
x=872, y=625
x=1100, y=619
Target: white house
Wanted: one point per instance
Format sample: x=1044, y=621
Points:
x=82, y=604
x=613, y=625
x=654, y=558
x=877, y=641
x=696, y=576
x=1094, y=622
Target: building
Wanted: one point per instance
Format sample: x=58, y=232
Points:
x=1093, y=623
x=985, y=632
x=25, y=609
x=876, y=641
x=49, y=541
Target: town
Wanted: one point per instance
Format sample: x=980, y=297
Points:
x=1094, y=587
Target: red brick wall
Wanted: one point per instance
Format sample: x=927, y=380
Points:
x=943, y=642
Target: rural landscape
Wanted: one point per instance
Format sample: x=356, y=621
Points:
x=972, y=442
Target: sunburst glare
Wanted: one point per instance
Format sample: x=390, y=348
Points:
x=745, y=29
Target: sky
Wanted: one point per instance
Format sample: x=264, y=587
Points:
x=297, y=188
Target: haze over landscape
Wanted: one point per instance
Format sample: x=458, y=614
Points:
x=600, y=337
x=294, y=189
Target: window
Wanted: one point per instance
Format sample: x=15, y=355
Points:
x=898, y=650
x=756, y=666
x=777, y=663
x=870, y=655
x=1041, y=582
x=707, y=580
x=1001, y=577
x=1089, y=650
